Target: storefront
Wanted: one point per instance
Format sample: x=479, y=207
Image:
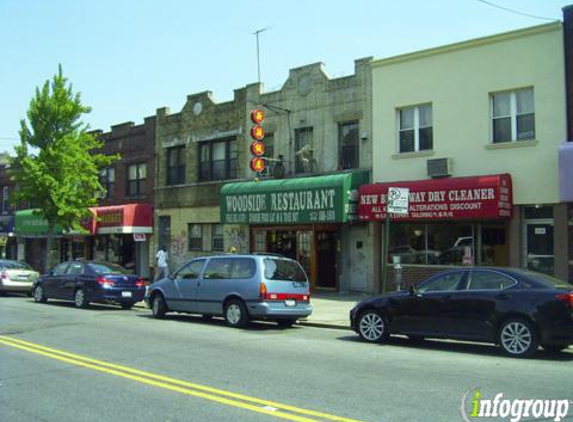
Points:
x=450, y=221
x=8, y=243
x=31, y=231
x=308, y=219
x=122, y=235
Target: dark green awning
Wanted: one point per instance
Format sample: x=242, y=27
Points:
x=305, y=200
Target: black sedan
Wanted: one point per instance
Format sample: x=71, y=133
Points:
x=516, y=309
x=90, y=281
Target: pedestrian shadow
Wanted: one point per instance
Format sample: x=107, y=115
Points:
x=460, y=347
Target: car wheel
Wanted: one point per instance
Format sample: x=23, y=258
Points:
x=39, y=295
x=80, y=299
x=286, y=323
x=517, y=338
x=236, y=314
x=372, y=326
x=158, y=306
x=127, y=305
x=554, y=348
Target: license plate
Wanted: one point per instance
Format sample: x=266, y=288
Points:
x=125, y=294
x=290, y=302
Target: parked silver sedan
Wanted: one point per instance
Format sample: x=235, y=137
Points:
x=238, y=287
x=16, y=276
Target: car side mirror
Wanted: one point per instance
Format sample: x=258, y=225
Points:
x=412, y=290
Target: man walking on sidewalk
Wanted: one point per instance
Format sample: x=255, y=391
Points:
x=162, y=257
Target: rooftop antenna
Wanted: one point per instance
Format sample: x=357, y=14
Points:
x=256, y=34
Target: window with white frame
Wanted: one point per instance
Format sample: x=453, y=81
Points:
x=136, y=176
x=513, y=116
x=195, y=237
x=416, y=131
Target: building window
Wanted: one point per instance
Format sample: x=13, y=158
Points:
x=513, y=116
x=304, y=150
x=269, y=155
x=107, y=181
x=416, y=132
x=218, y=160
x=195, y=237
x=136, y=176
x=217, y=238
x=5, y=199
x=348, y=145
x=176, y=165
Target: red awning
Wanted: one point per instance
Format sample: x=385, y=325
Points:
x=120, y=219
x=456, y=198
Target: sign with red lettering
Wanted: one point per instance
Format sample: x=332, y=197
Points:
x=460, y=198
x=257, y=116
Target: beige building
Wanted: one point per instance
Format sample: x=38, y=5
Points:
x=318, y=152
x=442, y=120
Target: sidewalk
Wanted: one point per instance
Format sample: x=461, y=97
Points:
x=332, y=309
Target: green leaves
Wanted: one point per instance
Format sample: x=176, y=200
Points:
x=56, y=168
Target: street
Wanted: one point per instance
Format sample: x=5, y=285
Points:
x=59, y=363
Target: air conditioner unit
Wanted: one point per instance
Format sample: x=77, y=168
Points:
x=440, y=167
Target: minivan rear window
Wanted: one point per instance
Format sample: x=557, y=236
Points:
x=284, y=270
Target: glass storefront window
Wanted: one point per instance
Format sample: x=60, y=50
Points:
x=448, y=244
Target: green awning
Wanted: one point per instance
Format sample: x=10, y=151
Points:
x=305, y=200
x=29, y=223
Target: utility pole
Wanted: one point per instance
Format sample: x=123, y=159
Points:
x=256, y=34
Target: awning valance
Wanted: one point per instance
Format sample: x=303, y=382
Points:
x=456, y=198
x=120, y=219
x=305, y=200
x=31, y=223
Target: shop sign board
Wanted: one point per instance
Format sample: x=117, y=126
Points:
x=317, y=200
x=463, y=198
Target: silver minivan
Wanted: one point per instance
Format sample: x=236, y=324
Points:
x=238, y=287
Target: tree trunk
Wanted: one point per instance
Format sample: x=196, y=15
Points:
x=51, y=255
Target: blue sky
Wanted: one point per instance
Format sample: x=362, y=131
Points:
x=129, y=57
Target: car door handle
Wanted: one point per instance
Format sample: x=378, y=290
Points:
x=447, y=297
x=503, y=296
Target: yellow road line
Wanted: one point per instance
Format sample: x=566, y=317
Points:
x=173, y=384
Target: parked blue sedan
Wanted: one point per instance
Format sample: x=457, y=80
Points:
x=90, y=281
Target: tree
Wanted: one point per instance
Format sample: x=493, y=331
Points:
x=56, y=168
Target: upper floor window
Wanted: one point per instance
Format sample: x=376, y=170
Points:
x=136, y=176
x=513, y=116
x=416, y=131
x=348, y=145
x=107, y=181
x=218, y=160
x=176, y=165
x=5, y=199
x=304, y=151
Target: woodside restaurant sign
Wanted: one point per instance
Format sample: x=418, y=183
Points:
x=323, y=205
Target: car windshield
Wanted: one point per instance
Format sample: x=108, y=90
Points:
x=15, y=265
x=283, y=269
x=107, y=268
x=549, y=281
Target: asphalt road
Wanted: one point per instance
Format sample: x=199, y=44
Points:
x=59, y=364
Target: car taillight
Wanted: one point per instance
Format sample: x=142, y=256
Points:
x=3, y=275
x=102, y=281
x=140, y=282
x=285, y=296
x=263, y=291
x=567, y=298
